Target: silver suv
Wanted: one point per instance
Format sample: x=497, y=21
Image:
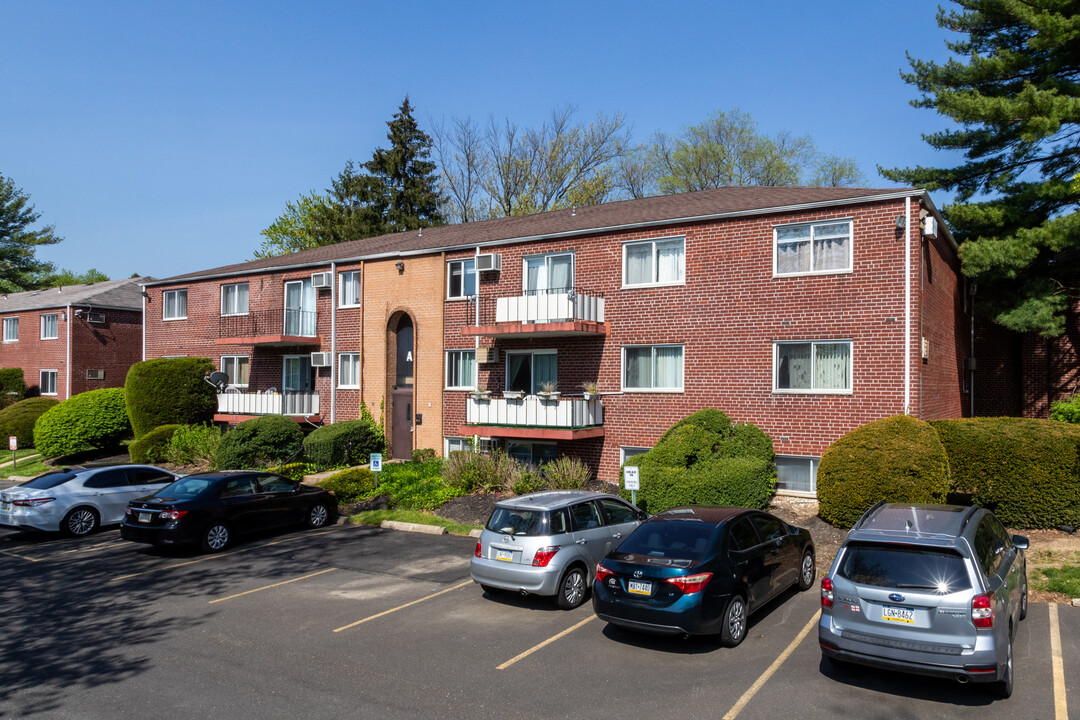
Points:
x=930, y=589
x=548, y=543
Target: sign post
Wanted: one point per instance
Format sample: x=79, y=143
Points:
x=13, y=444
x=632, y=482
x=376, y=466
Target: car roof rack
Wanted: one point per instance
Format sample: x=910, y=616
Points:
x=867, y=514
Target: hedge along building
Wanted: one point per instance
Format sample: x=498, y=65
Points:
x=70, y=339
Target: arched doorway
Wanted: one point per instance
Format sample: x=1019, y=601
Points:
x=400, y=343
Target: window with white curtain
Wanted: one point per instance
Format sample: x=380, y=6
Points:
x=11, y=329
x=460, y=279
x=653, y=367
x=349, y=370
x=234, y=299
x=654, y=262
x=236, y=367
x=460, y=369
x=50, y=327
x=812, y=367
x=809, y=248
x=549, y=273
x=174, y=305
x=796, y=474
x=530, y=371
x=349, y=289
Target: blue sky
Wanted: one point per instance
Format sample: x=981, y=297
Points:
x=161, y=138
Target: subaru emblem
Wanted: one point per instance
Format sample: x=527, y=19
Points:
x=896, y=597
x=638, y=573
x=507, y=538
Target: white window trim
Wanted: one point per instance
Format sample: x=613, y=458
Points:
x=50, y=337
x=627, y=286
x=851, y=249
x=622, y=369
x=165, y=305
x=446, y=443
x=525, y=267
x=624, y=448
x=476, y=276
x=15, y=324
x=506, y=368
x=222, y=366
x=235, y=314
x=41, y=374
x=341, y=289
x=814, y=462
x=341, y=356
x=811, y=343
x=476, y=371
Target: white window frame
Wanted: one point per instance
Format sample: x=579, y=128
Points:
x=463, y=262
x=180, y=292
x=839, y=271
x=11, y=323
x=452, y=443
x=547, y=271
x=349, y=279
x=812, y=492
x=55, y=382
x=247, y=299
x=623, y=456
x=622, y=369
x=471, y=384
x=235, y=360
x=653, y=242
x=56, y=326
x=813, y=356
x=354, y=359
x=532, y=367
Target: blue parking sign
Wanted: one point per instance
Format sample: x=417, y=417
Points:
x=376, y=462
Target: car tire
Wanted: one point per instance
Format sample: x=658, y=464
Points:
x=318, y=516
x=490, y=590
x=79, y=521
x=215, y=537
x=1003, y=688
x=807, y=571
x=572, y=589
x=733, y=630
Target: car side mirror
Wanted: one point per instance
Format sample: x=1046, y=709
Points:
x=1020, y=541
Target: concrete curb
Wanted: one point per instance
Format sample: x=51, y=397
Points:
x=475, y=533
x=413, y=527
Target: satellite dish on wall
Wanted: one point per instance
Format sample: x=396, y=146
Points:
x=218, y=379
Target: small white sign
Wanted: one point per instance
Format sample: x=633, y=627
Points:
x=376, y=462
x=631, y=478
x=13, y=442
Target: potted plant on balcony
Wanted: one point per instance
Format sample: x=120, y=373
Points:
x=513, y=394
x=548, y=391
x=591, y=390
x=480, y=393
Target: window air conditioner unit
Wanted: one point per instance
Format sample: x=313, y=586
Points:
x=95, y=317
x=929, y=229
x=487, y=355
x=489, y=262
x=320, y=359
x=95, y=374
x=321, y=280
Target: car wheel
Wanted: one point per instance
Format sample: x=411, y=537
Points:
x=571, y=589
x=734, y=628
x=491, y=590
x=215, y=537
x=79, y=521
x=807, y=571
x=1003, y=688
x=318, y=516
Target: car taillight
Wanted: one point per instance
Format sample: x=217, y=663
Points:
x=127, y=510
x=32, y=502
x=172, y=514
x=982, y=611
x=477, y=553
x=543, y=555
x=690, y=583
x=602, y=573
x=826, y=592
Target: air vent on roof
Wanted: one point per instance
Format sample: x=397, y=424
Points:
x=320, y=359
x=489, y=262
x=321, y=280
x=95, y=374
x=95, y=317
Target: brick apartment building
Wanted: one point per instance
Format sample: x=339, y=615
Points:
x=68, y=340
x=807, y=311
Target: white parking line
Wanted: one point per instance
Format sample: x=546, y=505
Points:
x=1061, y=708
x=21, y=557
x=267, y=587
x=749, y=694
x=402, y=607
x=547, y=642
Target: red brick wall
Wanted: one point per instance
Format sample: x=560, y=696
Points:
x=946, y=326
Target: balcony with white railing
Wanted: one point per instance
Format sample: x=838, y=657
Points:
x=534, y=416
x=241, y=404
x=546, y=313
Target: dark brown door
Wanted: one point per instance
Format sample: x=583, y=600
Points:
x=402, y=419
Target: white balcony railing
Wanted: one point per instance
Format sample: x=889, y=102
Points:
x=534, y=411
x=290, y=403
x=549, y=307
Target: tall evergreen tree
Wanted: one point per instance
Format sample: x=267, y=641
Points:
x=1014, y=88
x=20, y=269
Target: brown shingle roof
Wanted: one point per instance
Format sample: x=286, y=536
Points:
x=658, y=210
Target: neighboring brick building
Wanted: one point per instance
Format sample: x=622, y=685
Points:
x=68, y=340
x=807, y=311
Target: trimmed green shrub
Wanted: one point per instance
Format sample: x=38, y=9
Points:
x=1067, y=411
x=705, y=459
x=350, y=485
x=91, y=420
x=259, y=443
x=423, y=454
x=169, y=391
x=194, y=445
x=294, y=471
x=896, y=459
x=153, y=446
x=12, y=386
x=565, y=473
x=341, y=444
x=19, y=419
x=1027, y=471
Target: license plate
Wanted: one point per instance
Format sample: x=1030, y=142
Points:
x=507, y=555
x=145, y=517
x=898, y=614
x=5, y=506
x=639, y=588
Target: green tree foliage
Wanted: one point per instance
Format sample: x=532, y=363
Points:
x=153, y=446
x=67, y=278
x=259, y=443
x=19, y=419
x=1013, y=89
x=91, y=420
x=19, y=267
x=169, y=391
x=1066, y=411
x=349, y=442
x=12, y=386
x=298, y=228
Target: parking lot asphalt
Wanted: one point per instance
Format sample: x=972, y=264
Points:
x=377, y=623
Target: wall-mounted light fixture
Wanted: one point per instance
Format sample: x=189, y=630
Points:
x=400, y=267
x=901, y=222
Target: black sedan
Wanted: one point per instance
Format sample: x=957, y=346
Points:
x=701, y=571
x=210, y=508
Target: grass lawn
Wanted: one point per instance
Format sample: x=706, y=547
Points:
x=25, y=468
x=375, y=517
x=1064, y=579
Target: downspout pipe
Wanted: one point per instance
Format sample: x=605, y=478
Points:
x=907, y=305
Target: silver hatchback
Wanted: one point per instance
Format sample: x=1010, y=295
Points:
x=548, y=543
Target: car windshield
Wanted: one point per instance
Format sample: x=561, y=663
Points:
x=668, y=539
x=184, y=489
x=49, y=480
x=513, y=521
x=892, y=566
